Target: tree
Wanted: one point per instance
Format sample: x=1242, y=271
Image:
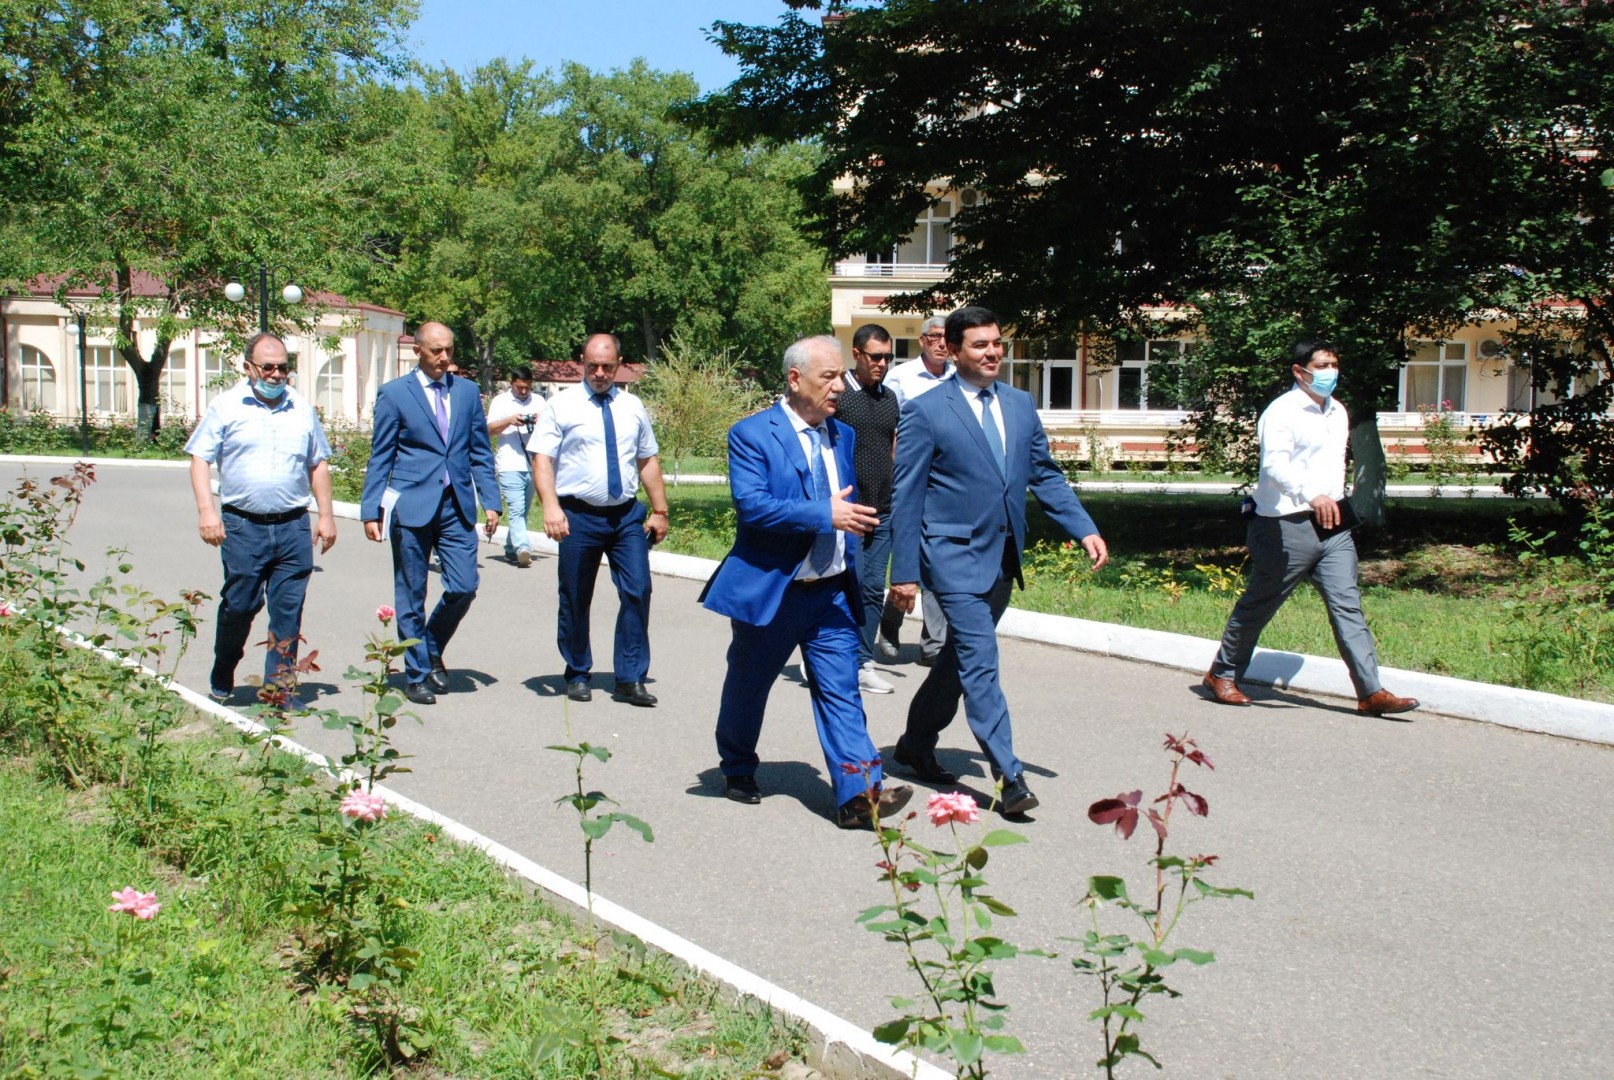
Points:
x=1351, y=171
x=176, y=139
x=694, y=397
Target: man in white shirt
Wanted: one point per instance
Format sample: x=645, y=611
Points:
x=512, y=417
x=909, y=380
x=592, y=449
x=1301, y=530
x=271, y=453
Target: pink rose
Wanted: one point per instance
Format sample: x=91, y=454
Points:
x=363, y=806
x=385, y=613
x=6, y=610
x=142, y=905
x=945, y=806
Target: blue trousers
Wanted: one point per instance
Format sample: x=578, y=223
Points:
x=516, y=487
x=874, y=560
x=819, y=620
x=617, y=533
x=412, y=547
x=261, y=562
x=967, y=667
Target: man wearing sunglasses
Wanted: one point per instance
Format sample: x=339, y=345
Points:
x=271, y=453
x=870, y=409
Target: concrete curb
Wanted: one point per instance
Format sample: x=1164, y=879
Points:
x=842, y=1049
x=1526, y=710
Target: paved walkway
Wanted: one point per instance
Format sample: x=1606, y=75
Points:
x=1429, y=894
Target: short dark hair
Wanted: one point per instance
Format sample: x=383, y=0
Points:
x=868, y=331
x=1307, y=348
x=256, y=339
x=522, y=372
x=967, y=318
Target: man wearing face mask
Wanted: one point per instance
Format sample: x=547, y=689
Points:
x=1301, y=530
x=271, y=451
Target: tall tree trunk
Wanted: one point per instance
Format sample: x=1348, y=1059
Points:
x=148, y=372
x=647, y=332
x=484, y=363
x=1369, y=474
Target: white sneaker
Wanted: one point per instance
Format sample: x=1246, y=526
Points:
x=870, y=682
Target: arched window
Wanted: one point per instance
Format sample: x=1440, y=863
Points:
x=107, y=385
x=328, y=388
x=218, y=372
x=176, y=384
x=38, y=380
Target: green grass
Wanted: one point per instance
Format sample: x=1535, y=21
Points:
x=1434, y=580
x=222, y=982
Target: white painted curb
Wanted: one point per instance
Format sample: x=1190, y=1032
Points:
x=1526, y=710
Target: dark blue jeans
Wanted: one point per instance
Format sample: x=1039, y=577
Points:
x=261, y=562
x=874, y=561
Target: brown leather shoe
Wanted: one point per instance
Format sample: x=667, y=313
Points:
x=1381, y=701
x=1225, y=690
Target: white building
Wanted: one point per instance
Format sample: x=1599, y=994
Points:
x=38, y=336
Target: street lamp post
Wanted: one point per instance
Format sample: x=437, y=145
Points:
x=235, y=292
x=79, y=331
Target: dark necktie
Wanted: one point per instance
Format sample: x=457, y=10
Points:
x=613, y=468
x=823, y=553
x=994, y=441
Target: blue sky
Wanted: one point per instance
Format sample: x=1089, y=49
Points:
x=602, y=34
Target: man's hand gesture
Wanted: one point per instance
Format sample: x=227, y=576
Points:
x=851, y=517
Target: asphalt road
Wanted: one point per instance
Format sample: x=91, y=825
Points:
x=1429, y=894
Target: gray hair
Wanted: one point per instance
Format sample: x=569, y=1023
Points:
x=255, y=339
x=799, y=355
x=934, y=323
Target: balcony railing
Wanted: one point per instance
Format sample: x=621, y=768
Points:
x=857, y=268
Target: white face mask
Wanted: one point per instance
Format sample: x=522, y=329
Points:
x=1323, y=382
x=267, y=389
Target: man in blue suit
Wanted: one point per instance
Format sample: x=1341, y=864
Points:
x=791, y=580
x=430, y=462
x=966, y=454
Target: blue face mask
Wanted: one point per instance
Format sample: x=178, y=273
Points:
x=1323, y=382
x=267, y=389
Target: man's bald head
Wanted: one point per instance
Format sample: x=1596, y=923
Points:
x=434, y=348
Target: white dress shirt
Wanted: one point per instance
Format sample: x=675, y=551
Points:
x=837, y=565
x=972, y=394
x=431, y=396
x=1302, y=453
x=264, y=452
x=911, y=378
x=571, y=433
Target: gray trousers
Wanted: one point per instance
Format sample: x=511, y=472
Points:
x=935, y=632
x=1283, y=553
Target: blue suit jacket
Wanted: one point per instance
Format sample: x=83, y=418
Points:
x=952, y=509
x=777, y=517
x=408, y=453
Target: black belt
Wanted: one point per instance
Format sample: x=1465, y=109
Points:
x=836, y=582
x=267, y=519
x=572, y=502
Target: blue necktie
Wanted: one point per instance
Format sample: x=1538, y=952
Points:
x=613, y=468
x=994, y=441
x=823, y=552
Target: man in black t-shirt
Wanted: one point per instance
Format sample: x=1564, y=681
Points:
x=871, y=410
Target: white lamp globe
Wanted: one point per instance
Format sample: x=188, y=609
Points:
x=291, y=294
x=235, y=292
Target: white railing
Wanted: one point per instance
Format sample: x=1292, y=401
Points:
x=857, y=268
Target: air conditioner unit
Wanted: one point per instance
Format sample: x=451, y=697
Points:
x=1490, y=348
x=969, y=196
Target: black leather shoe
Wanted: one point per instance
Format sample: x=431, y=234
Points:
x=926, y=661
x=437, y=678
x=857, y=813
x=420, y=694
x=1017, y=798
x=742, y=789
x=924, y=767
x=633, y=693
x=578, y=690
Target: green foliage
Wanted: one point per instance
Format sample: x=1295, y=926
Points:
x=1129, y=969
x=1447, y=447
x=1559, y=627
x=113, y=436
x=952, y=951
x=694, y=397
x=350, y=455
